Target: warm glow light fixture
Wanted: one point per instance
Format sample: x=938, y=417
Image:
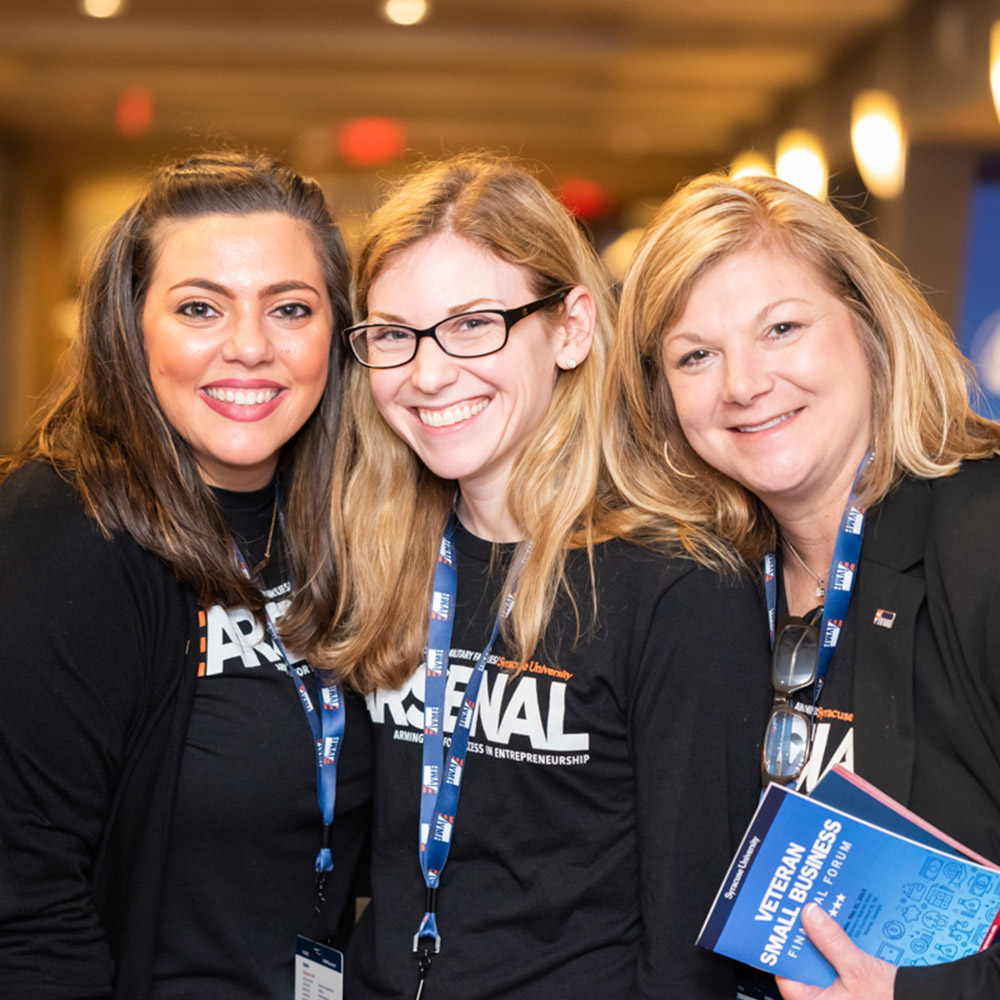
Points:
x=750, y=163
x=371, y=141
x=584, y=198
x=800, y=160
x=102, y=8
x=134, y=112
x=405, y=11
x=995, y=64
x=879, y=142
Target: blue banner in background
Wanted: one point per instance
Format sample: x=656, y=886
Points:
x=979, y=324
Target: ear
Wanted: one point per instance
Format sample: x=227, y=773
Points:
x=577, y=329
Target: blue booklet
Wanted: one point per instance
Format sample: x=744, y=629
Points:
x=850, y=793
x=906, y=902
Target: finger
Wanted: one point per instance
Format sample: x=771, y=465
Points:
x=833, y=944
x=791, y=990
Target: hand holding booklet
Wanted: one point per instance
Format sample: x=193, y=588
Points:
x=902, y=890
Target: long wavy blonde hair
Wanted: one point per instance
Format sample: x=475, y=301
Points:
x=923, y=423
x=388, y=506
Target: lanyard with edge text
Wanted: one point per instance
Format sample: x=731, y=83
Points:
x=441, y=782
x=839, y=581
x=327, y=729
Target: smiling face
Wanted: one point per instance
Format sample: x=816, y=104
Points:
x=770, y=381
x=466, y=418
x=237, y=325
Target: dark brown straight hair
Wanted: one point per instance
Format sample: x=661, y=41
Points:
x=104, y=430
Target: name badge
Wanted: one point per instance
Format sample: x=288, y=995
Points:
x=319, y=971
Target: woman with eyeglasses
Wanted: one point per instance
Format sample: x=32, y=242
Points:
x=780, y=381
x=167, y=826
x=578, y=691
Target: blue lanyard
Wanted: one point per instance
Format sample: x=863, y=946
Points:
x=839, y=581
x=441, y=783
x=328, y=734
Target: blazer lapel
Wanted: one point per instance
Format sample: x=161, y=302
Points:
x=883, y=661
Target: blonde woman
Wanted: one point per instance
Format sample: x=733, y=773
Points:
x=813, y=412
x=604, y=765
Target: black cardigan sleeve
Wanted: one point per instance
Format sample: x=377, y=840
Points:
x=92, y=644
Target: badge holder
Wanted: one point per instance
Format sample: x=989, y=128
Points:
x=319, y=971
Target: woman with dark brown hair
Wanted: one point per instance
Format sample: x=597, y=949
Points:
x=164, y=806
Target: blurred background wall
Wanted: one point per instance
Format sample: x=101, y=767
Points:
x=614, y=102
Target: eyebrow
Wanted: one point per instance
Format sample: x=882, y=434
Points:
x=771, y=306
x=278, y=288
x=463, y=307
x=759, y=318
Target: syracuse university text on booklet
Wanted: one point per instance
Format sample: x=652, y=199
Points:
x=902, y=890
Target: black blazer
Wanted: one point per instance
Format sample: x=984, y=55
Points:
x=927, y=691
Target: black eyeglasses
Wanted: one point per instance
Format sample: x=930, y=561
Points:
x=466, y=335
x=788, y=737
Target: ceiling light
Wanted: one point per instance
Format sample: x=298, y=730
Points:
x=405, y=11
x=995, y=63
x=800, y=160
x=102, y=8
x=750, y=163
x=879, y=142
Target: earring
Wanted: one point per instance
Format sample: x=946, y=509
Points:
x=672, y=467
x=571, y=363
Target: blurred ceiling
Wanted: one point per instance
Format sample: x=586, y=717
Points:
x=631, y=93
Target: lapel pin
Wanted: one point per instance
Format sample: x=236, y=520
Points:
x=885, y=619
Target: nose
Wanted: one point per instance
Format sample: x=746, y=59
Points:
x=248, y=341
x=432, y=369
x=747, y=376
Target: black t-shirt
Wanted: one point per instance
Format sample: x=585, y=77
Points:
x=240, y=880
x=605, y=789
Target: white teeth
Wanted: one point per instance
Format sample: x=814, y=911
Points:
x=445, y=418
x=242, y=397
x=764, y=426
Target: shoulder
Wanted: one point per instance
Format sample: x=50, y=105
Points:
x=947, y=532
x=963, y=508
x=662, y=565
x=39, y=503
x=975, y=478
x=48, y=542
x=664, y=618
x=964, y=528
x=36, y=484
x=635, y=575
x=964, y=504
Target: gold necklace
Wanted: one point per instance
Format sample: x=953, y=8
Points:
x=266, y=561
x=820, y=583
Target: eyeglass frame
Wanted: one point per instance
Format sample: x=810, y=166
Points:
x=510, y=318
x=782, y=702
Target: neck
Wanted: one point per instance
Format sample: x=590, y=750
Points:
x=805, y=575
x=811, y=531
x=810, y=523
x=486, y=516
x=811, y=520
